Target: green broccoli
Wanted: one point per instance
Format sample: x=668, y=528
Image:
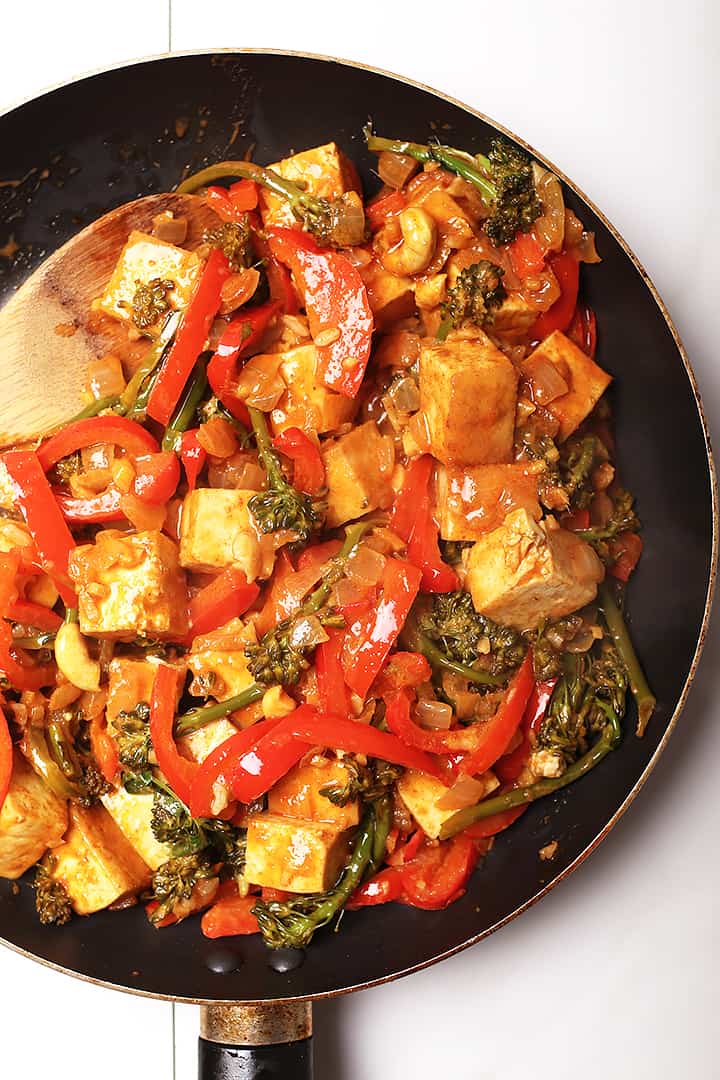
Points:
x=504, y=179
x=455, y=627
x=52, y=902
x=68, y=746
x=233, y=239
x=175, y=881
x=367, y=782
x=173, y=824
x=132, y=733
x=474, y=297
x=150, y=301
x=277, y=658
x=280, y=506
x=622, y=519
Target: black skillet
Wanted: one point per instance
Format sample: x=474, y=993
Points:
x=82, y=149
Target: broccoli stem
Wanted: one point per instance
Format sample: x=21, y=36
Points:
x=383, y=824
x=131, y=401
x=267, y=178
x=184, y=414
x=416, y=641
x=34, y=746
x=522, y=796
x=453, y=160
x=198, y=718
x=644, y=697
x=320, y=596
x=266, y=453
x=94, y=408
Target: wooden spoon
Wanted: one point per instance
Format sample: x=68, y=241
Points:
x=48, y=332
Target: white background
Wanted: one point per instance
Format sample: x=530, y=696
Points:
x=616, y=973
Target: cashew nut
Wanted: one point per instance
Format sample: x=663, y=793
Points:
x=73, y=659
x=417, y=247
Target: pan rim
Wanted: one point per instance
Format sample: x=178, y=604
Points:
x=715, y=528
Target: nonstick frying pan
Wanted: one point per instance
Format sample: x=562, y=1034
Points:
x=76, y=152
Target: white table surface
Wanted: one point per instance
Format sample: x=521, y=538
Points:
x=616, y=972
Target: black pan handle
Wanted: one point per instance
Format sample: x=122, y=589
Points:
x=256, y=1042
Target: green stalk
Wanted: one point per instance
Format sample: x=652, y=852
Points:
x=223, y=170
x=320, y=596
x=198, y=718
x=129, y=399
x=383, y=824
x=644, y=697
x=453, y=160
x=524, y=795
x=268, y=458
x=96, y=407
x=184, y=414
x=34, y=746
x=416, y=641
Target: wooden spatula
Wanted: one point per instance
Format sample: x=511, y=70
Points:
x=47, y=334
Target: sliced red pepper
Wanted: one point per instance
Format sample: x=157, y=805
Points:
x=508, y=767
x=626, y=551
x=193, y=456
x=335, y=299
x=387, y=206
x=278, y=276
x=403, y=669
x=156, y=477
x=104, y=747
x=258, y=769
x=408, y=850
x=117, y=430
x=231, y=204
x=369, y=639
x=289, y=586
x=309, y=474
x=244, y=194
x=576, y=521
x=107, y=506
x=437, y=876
x=332, y=689
x=527, y=255
x=218, y=766
x=482, y=743
x=230, y=916
x=412, y=519
x=583, y=329
x=537, y=704
x=178, y=771
x=382, y=888
x=53, y=540
x=242, y=333
x=189, y=341
x=23, y=677
x=225, y=598
x=6, y=756
x=566, y=269
x=491, y=826
x=37, y=615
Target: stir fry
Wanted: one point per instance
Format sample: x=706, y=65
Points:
x=325, y=585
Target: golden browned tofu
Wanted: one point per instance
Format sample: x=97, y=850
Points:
x=468, y=393
x=96, y=863
x=421, y=794
x=143, y=259
x=391, y=297
x=307, y=403
x=130, y=682
x=218, y=663
x=32, y=820
x=130, y=585
x=585, y=380
x=199, y=744
x=298, y=795
x=358, y=470
x=470, y=502
x=324, y=170
x=293, y=854
x=515, y=316
x=217, y=531
x=525, y=572
x=132, y=814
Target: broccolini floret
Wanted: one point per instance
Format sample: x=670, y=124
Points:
x=132, y=734
x=474, y=297
x=589, y=695
x=52, y=902
x=622, y=519
x=463, y=635
x=172, y=823
x=233, y=239
x=175, y=881
x=150, y=301
x=281, y=656
x=280, y=506
x=68, y=747
x=367, y=782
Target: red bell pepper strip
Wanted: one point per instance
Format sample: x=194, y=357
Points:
x=6, y=757
x=576, y=521
x=23, y=677
x=178, y=771
x=190, y=338
x=117, y=430
x=279, y=280
x=244, y=194
x=230, y=916
x=37, y=615
x=218, y=766
x=330, y=679
x=156, y=477
x=242, y=333
x=537, y=704
x=369, y=639
x=231, y=204
x=403, y=669
x=225, y=598
x=482, y=743
x=192, y=455
x=309, y=470
x=437, y=876
x=408, y=850
x=53, y=540
x=335, y=299
x=566, y=269
x=491, y=826
x=378, y=211
x=508, y=767
x=412, y=519
x=382, y=888
x=104, y=747
x=107, y=506
x=583, y=329
x=258, y=769
x=626, y=551
x=527, y=255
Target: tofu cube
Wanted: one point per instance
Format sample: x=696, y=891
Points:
x=32, y=820
x=130, y=683
x=132, y=814
x=217, y=531
x=420, y=794
x=130, y=585
x=358, y=471
x=96, y=863
x=514, y=317
x=391, y=297
x=468, y=393
x=470, y=502
x=144, y=258
x=324, y=170
x=307, y=403
x=293, y=854
x=528, y=571
x=586, y=381
x=200, y=744
x=298, y=795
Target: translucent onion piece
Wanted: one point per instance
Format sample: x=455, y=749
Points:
x=349, y=220
x=260, y=383
x=365, y=567
x=396, y=169
x=549, y=229
x=239, y=471
x=142, y=515
x=466, y=791
x=218, y=437
x=404, y=393
x=105, y=377
x=307, y=632
x=97, y=456
x=169, y=228
x=434, y=714
x=346, y=592
x=546, y=382
x=63, y=696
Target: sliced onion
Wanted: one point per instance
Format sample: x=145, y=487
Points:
x=97, y=456
x=396, y=169
x=358, y=256
x=549, y=229
x=418, y=428
x=365, y=567
x=583, y=640
x=434, y=714
x=240, y=471
x=546, y=382
x=169, y=228
x=142, y=515
x=404, y=393
x=217, y=437
x=348, y=228
x=466, y=791
x=346, y=592
x=307, y=632
x=586, y=251
x=260, y=383
x=105, y=377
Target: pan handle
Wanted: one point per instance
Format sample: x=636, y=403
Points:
x=256, y=1042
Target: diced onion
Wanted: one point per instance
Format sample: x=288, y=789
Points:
x=141, y=514
x=346, y=592
x=404, y=393
x=549, y=229
x=434, y=714
x=365, y=567
x=105, y=377
x=169, y=228
x=217, y=437
x=466, y=791
x=240, y=471
x=396, y=169
x=97, y=456
x=546, y=382
x=307, y=632
x=260, y=383
x=348, y=228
